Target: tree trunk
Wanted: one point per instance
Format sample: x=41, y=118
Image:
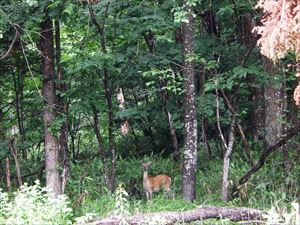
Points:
x=7, y=172
x=204, y=120
x=108, y=95
x=176, y=153
x=239, y=128
x=199, y=214
x=53, y=179
x=18, y=86
x=226, y=161
x=103, y=153
x=14, y=153
x=63, y=110
x=150, y=41
x=273, y=105
x=190, y=121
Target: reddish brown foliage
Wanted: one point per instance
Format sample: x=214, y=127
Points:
x=280, y=31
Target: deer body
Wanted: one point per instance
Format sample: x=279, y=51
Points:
x=154, y=184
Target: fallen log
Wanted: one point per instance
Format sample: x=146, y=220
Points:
x=201, y=213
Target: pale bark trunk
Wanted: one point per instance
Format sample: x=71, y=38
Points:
x=14, y=152
x=226, y=161
x=53, y=179
x=190, y=121
x=7, y=172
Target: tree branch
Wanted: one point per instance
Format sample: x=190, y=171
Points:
x=12, y=44
x=239, y=127
x=265, y=154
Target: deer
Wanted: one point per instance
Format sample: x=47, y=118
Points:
x=154, y=184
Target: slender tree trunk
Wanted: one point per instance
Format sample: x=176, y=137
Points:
x=18, y=85
x=150, y=41
x=14, y=153
x=226, y=161
x=63, y=110
x=108, y=93
x=176, y=153
x=7, y=172
x=239, y=128
x=204, y=121
x=103, y=153
x=190, y=121
x=53, y=179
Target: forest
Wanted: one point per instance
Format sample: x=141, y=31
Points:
x=150, y=112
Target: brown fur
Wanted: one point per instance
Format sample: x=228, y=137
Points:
x=156, y=183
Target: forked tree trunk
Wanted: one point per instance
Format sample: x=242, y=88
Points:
x=190, y=121
x=53, y=179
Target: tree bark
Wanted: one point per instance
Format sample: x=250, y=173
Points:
x=190, y=121
x=14, y=152
x=63, y=110
x=273, y=104
x=201, y=213
x=53, y=179
x=226, y=160
x=103, y=153
x=239, y=128
x=7, y=172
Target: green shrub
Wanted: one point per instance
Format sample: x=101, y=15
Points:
x=34, y=205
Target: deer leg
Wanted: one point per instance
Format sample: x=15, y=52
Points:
x=150, y=195
x=147, y=195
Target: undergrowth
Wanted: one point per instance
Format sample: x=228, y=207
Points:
x=268, y=187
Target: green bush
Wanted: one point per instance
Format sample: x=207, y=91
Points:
x=34, y=205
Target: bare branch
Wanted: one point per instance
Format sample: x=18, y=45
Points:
x=265, y=154
x=11, y=44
